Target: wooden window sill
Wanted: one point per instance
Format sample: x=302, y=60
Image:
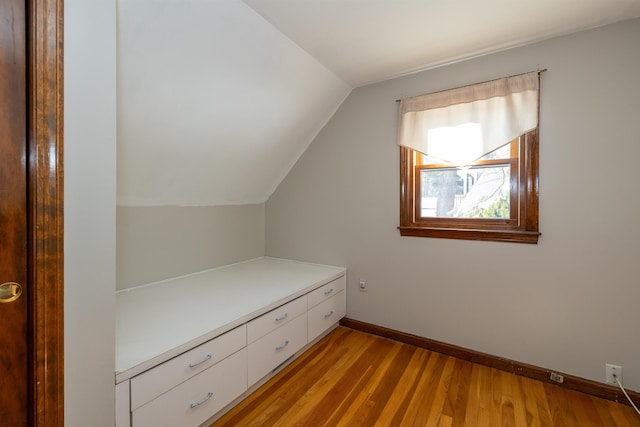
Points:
x=514, y=236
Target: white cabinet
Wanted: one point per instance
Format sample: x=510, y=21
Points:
x=188, y=347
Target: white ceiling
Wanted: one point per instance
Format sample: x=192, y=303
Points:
x=365, y=41
x=217, y=99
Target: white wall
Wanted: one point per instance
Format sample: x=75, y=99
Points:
x=570, y=303
x=215, y=105
x=160, y=242
x=89, y=210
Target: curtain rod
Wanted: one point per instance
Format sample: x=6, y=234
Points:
x=544, y=70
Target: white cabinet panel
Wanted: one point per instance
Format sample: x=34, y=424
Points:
x=268, y=322
x=158, y=380
x=276, y=347
x=327, y=291
x=326, y=314
x=194, y=401
x=123, y=409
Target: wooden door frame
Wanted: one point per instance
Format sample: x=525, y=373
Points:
x=45, y=188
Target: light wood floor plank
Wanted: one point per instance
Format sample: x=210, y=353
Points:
x=404, y=388
x=351, y=378
x=460, y=384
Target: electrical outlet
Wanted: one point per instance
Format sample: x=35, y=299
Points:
x=611, y=371
x=362, y=285
x=556, y=377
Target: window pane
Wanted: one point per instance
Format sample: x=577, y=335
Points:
x=503, y=152
x=474, y=192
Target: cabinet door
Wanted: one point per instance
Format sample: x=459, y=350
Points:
x=198, y=399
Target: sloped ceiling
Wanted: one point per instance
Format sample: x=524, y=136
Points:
x=217, y=99
x=215, y=105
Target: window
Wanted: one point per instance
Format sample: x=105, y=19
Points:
x=461, y=179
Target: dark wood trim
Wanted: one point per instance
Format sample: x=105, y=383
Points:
x=45, y=34
x=531, y=166
x=472, y=234
x=583, y=385
x=406, y=186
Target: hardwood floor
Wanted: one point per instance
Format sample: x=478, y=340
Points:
x=351, y=378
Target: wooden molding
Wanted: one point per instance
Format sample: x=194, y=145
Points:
x=45, y=139
x=472, y=234
x=583, y=385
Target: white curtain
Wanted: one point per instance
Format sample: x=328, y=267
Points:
x=461, y=125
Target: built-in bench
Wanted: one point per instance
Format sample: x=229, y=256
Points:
x=189, y=348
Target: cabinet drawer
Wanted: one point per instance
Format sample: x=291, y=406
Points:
x=322, y=316
x=274, y=348
x=196, y=400
x=326, y=291
x=158, y=380
x=266, y=323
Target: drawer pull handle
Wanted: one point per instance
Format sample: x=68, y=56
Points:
x=193, y=405
x=326, y=316
x=328, y=292
x=283, y=345
x=207, y=357
x=282, y=317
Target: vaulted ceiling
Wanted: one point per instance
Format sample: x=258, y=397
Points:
x=217, y=99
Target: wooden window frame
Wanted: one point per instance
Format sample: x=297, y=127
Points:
x=522, y=227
